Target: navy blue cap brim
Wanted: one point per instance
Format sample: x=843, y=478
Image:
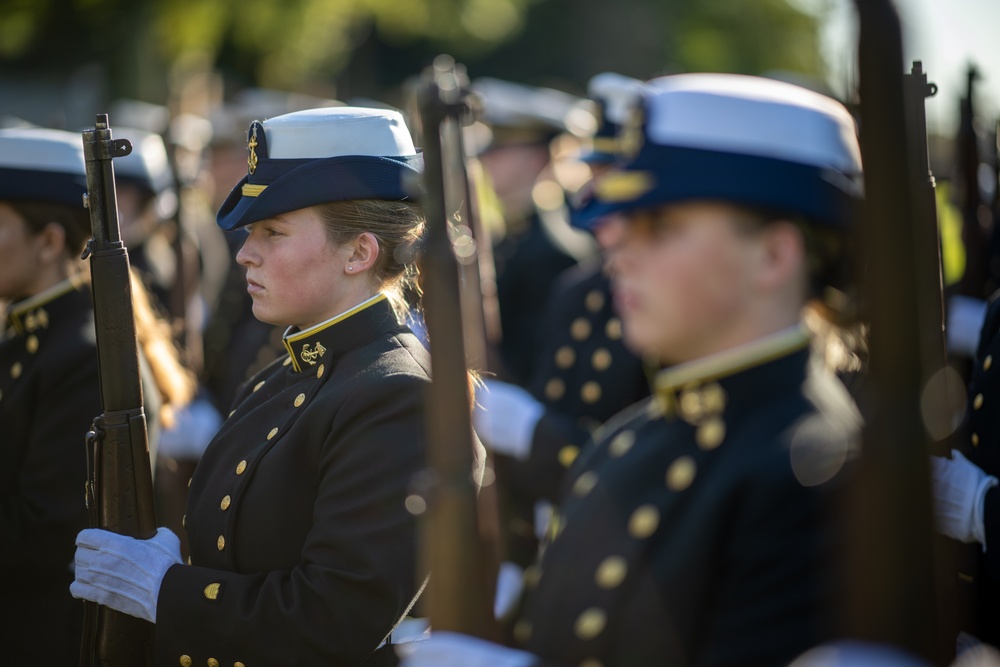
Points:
x=38, y=185
x=669, y=174
x=319, y=181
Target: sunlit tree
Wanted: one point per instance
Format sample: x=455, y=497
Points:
x=302, y=44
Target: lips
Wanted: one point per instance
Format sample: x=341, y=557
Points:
x=254, y=287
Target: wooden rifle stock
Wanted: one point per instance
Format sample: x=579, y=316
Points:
x=459, y=594
x=939, y=415
x=119, y=484
x=891, y=597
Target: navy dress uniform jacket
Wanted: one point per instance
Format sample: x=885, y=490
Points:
x=697, y=530
x=48, y=399
x=529, y=260
x=583, y=375
x=302, y=551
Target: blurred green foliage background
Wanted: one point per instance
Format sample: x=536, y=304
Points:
x=149, y=49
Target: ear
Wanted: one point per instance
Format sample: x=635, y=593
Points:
x=364, y=251
x=783, y=256
x=51, y=244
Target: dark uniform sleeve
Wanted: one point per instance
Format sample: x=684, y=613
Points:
x=49, y=504
x=356, y=575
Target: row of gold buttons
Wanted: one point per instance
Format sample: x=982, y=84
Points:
x=977, y=402
x=186, y=661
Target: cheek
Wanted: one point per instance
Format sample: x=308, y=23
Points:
x=702, y=279
x=690, y=285
x=303, y=275
x=16, y=263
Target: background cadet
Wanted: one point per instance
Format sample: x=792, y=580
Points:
x=148, y=209
x=49, y=385
x=302, y=549
x=967, y=505
x=48, y=390
x=532, y=129
x=582, y=373
x=698, y=530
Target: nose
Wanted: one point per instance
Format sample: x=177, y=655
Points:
x=611, y=235
x=620, y=257
x=247, y=255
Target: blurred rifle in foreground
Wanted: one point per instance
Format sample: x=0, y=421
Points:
x=119, y=487
x=974, y=211
x=460, y=592
x=893, y=595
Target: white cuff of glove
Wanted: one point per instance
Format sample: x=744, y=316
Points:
x=979, y=509
x=451, y=649
x=505, y=418
x=510, y=583
x=121, y=572
x=965, y=323
x=960, y=488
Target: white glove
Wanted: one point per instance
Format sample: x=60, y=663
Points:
x=959, y=496
x=510, y=582
x=965, y=323
x=451, y=649
x=854, y=653
x=505, y=417
x=196, y=425
x=121, y=572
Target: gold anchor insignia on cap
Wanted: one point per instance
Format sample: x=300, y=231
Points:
x=310, y=356
x=252, y=144
x=631, y=139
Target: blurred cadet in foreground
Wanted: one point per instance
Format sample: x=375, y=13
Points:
x=529, y=128
x=581, y=374
x=699, y=528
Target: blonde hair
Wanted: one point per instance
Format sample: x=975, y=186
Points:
x=397, y=226
x=175, y=383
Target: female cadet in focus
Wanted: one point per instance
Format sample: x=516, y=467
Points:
x=302, y=551
x=49, y=387
x=697, y=530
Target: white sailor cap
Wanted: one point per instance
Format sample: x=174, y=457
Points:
x=322, y=155
x=230, y=120
x=39, y=164
x=615, y=94
x=746, y=140
x=140, y=115
x=521, y=113
x=147, y=168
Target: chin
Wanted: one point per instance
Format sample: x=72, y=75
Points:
x=263, y=315
x=639, y=340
